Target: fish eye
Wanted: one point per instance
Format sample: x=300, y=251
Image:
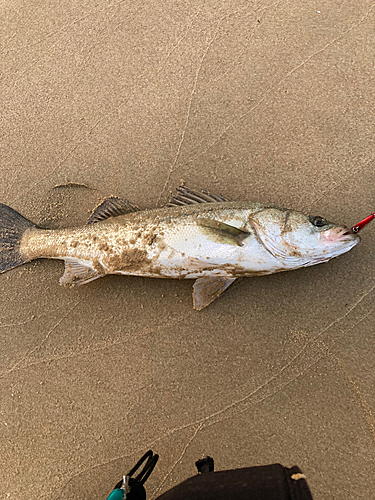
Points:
x=318, y=221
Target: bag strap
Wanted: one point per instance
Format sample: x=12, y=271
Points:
x=131, y=488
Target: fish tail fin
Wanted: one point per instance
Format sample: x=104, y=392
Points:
x=12, y=227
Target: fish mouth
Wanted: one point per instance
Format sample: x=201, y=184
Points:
x=338, y=235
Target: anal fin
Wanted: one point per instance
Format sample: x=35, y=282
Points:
x=77, y=273
x=207, y=289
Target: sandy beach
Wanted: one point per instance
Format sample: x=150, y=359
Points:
x=270, y=102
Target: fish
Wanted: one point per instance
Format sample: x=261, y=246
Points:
x=196, y=235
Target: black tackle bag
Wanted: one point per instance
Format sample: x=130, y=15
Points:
x=266, y=482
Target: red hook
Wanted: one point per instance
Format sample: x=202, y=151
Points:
x=363, y=223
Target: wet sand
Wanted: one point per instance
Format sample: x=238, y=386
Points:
x=260, y=101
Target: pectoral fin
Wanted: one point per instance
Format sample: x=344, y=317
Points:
x=222, y=233
x=77, y=273
x=207, y=289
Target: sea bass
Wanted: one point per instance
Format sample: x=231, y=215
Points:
x=197, y=235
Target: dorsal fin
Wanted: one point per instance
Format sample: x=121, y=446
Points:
x=186, y=196
x=111, y=207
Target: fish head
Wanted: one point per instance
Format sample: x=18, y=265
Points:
x=299, y=240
